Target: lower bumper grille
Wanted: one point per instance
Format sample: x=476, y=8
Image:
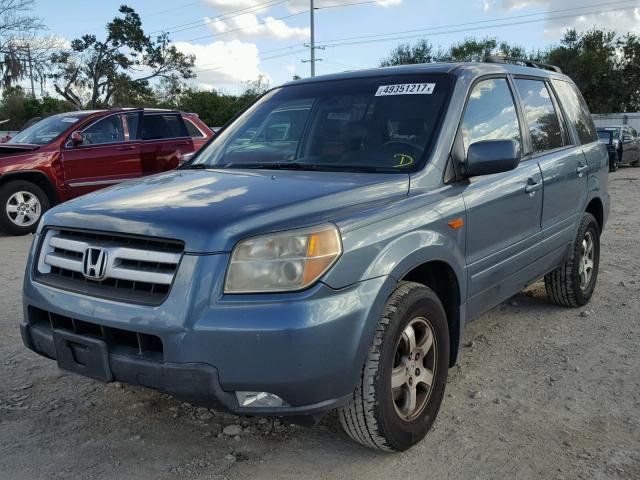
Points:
x=117, y=340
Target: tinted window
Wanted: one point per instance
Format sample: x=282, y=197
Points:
x=46, y=130
x=194, y=132
x=490, y=114
x=604, y=136
x=379, y=124
x=159, y=126
x=541, y=115
x=577, y=111
x=106, y=130
x=132, y=120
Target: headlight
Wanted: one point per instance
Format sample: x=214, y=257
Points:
x=282, y=262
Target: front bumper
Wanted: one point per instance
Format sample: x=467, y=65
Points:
x=307, y=347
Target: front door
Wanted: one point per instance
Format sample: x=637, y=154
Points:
x=105, y=157
x=503, y=210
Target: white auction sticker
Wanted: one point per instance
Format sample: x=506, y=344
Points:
x=406, y=89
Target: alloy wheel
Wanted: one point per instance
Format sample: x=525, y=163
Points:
x=23, y=208
x=413, y=370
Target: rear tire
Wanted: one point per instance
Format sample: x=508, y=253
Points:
x=613, y=164
x=383, y=414
x=572, y=284
x=22, y=204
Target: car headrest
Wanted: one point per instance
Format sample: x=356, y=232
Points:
x=353, y=134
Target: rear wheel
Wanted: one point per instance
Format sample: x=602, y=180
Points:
x=403, y=381
x=22, y=204
x=613, y=162
x=572, y=284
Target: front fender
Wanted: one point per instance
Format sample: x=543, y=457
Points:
x=395, y=245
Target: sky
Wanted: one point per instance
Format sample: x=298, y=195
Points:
x=236, y=41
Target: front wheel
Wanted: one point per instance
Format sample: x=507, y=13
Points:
x=572, y=284
x=22, y=204
x=399, y=394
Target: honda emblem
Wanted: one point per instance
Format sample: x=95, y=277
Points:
x=94, y=266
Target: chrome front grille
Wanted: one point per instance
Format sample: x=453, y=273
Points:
x=119, y=267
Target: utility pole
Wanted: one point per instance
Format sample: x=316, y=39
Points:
x=312, y=43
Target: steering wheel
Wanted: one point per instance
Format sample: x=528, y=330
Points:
x=403, y=143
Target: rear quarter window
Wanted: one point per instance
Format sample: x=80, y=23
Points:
x=194, y=132
x=577, y=111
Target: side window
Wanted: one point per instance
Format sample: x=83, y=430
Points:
x=194, y=132
x=160, y=126
x=577, y=111
x=541, y=115
x=490, y=114
x=132, y=119
x=105, y=130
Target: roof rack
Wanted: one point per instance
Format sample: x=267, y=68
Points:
x=523, y=61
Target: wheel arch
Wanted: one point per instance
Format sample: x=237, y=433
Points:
x=34, y=176
x=596, y=208
x=440, y=277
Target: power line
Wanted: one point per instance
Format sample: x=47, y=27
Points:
x=235, y=13
x=242, y=28
x=392, y=36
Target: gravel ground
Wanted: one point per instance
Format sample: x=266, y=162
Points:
x=539, y=392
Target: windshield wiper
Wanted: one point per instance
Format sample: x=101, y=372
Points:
x=194, y=166
x=276, y=166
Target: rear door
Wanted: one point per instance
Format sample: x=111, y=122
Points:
x=563, y=165
x=106, y=156
x=504, y=209
x=165, y=140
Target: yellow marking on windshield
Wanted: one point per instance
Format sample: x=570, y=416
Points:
x=403, y=160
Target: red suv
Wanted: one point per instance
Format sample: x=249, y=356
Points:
x=70, y=154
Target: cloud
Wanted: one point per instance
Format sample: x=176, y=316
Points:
x=223, y=62
x=619, y=17
x=238, y=17
x=248, y=25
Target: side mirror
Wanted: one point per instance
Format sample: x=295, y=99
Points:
x=77, y=138
x=492, y=156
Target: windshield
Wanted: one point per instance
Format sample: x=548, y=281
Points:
x=604, y=136
x=47, y=129
x=381, y=124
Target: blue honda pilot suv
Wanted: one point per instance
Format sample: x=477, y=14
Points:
x=328, y=246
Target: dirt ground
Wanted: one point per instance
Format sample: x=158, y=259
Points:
x=539, y=392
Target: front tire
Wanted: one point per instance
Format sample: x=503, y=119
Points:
x=399, y=394
x=22, y=204
x=572, y=284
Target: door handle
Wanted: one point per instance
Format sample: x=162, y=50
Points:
x=129, y=147
x=581, y=169
x=179, y=144
x=532, y=186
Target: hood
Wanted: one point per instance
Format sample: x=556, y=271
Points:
x=16, y=148
x=210, y=210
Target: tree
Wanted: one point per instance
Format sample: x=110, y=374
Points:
x=96, y=73
x=18, y=107
x=17, y=28
x=469, y=50
x=591, y=60
x=406, y=54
